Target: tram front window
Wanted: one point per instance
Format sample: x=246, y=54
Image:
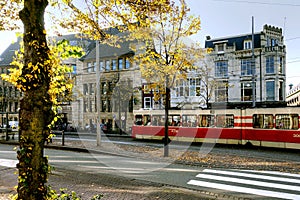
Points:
x=139, y=120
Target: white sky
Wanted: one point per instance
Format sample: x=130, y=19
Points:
x=220, y=18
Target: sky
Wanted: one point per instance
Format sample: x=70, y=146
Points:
x=222, y=18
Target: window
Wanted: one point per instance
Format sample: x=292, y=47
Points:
x=194, y=87
x=274, y=42
x=138, y=120
x=16, y=107
x=92, y=88
x=91, y=106
x=85, y=89
x=85, y=106
x=147, y=103
x=107, y=65
x=120, y=63
x=287, y=121
x=221, y=69
x=101, y=65
x=225, y=121
x=89, y=67
x=221, y=92
x=246, y=67
x=158, y=120
x=74, y=69
x=206, y=120
x=103, y=88
x=270, y=64
x=281, y=69
x=182, y=88
x=262, y=121
x=146, y=120
x=109, y=107
x=271, y=42
x=270, y=90
x=114, y=65
x=247, y=44
x=110, y=87
x=281, y=90
x=174, y=120
x=103, y=106
x=189, y=120
x=220, y=48
x=94, y=67
x=246, y=91
x=127, y=63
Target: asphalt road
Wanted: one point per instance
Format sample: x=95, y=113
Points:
x=227, y=182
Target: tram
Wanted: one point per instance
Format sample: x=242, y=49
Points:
x=266, y=127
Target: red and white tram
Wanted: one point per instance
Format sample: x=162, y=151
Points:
x=268, y=127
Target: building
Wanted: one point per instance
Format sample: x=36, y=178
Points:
x=293, y=96
x=248, y=72
x=239, y=71
x=120, y=81
x=10, y=96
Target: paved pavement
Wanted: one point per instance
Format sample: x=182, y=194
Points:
x=112, y=187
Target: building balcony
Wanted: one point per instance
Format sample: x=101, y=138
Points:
x=275, y=48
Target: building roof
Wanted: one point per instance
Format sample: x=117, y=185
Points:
x=106, y=50
x=7, y=56
x=237, y=41
x=75, y=40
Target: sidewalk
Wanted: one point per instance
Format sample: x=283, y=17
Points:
x=111, y=187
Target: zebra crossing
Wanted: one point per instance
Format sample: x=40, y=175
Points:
x=263, y=183
x=8, y=163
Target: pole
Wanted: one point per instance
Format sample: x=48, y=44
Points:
x=98, y=93
x=7, y=126
x=253, y=67
x=167, y=106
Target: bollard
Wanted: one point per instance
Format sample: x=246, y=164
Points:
x=63, y=138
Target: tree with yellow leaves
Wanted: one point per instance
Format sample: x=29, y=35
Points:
x=166, y=55
x=37, y=74
x=160, y=27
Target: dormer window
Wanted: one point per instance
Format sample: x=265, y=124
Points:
x=220, y=48
x=247, y=44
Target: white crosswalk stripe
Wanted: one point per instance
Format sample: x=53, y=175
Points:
x=263, y=183
x=8, y=163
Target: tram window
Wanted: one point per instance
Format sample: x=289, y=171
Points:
x=158, y=120
x=189, y=120
x=263, y=121
x=287, y=121
x=147, y=120
x=206, y=120
x=139, y=120
x=225, y=121
x=174, y=120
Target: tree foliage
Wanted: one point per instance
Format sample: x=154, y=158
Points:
x=8, y=15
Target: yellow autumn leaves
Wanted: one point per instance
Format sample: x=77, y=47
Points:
x=60, y=83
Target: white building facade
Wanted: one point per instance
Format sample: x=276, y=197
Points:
x=241, y=65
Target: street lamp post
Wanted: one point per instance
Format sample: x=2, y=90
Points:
x=98, y=93
x=253, y=68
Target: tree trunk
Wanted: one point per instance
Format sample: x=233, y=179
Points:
x=35, y=106
x=167, y=107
